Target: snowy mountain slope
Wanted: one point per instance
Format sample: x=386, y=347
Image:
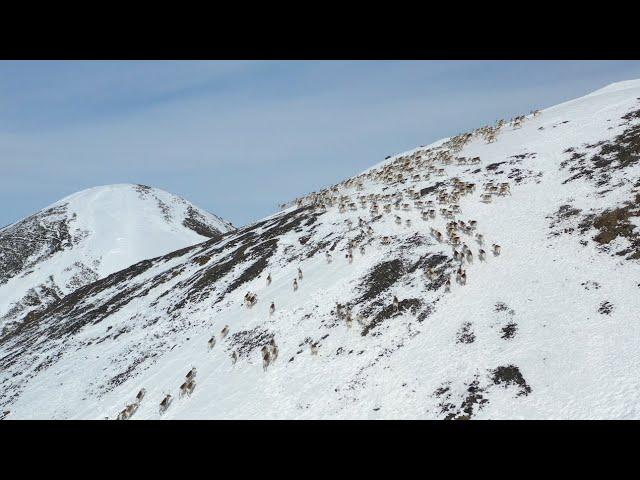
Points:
x=87, y=236
x=547, y=328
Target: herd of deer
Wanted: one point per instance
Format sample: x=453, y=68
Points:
x=269, y=355
x=186, y=389
x=415, y=167
x=418, y=166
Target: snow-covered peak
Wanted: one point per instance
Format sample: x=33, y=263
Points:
x=126, y=223
x=91, y=234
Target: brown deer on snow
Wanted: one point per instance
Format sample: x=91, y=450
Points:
x=274, y=349
x=250, y=299
x=164, y=404
x=224, y=332
x=187, y=387
x=141, y=395
x=266, y=358
x=128, y=411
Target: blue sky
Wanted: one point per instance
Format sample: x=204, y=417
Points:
x=237, y=138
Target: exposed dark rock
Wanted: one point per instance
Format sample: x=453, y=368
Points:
x=605, y=308
x=509, y=330
x=465, y=334
x=510, y=375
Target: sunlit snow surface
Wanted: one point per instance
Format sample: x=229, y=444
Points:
x=550, y=328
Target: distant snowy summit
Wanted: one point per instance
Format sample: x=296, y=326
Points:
x=89, y=235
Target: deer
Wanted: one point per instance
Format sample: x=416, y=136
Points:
x=274, y=349
x=482, y=255
x=396, y=304
x=140, y=395
x=328, y=257
x=224, y=332
x=299, y=274
x=250, y=299
x=128, y=412
x=234, y=358
x=191, y=374
x=349, y=257
x=272, y=308
x=269, y=279
x=314, y=348
x=266, y=358
x=431, y=274
x=447, y=285
x=187, y=387
x=212, y=342
x=295, y=284
x=469, y=257
x=496, y=249
x=348, y=320
x=164, y=404
x=479, y=238
x=131, y=409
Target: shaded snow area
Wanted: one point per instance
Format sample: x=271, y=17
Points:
x=89, y=235
x=397, y=312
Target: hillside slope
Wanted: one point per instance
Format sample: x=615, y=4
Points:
x=548, y=327
x=89, y=235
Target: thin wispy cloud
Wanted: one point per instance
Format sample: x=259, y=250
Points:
x=237, y=138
